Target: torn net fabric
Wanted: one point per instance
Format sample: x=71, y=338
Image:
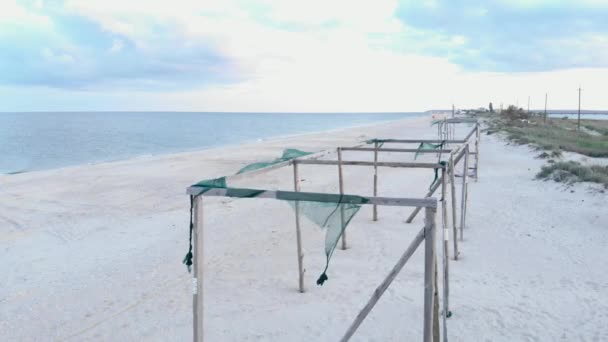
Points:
x=430, y=146
x=330, y=212
x=333, y=217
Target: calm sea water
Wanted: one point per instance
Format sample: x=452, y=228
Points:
x=583, y=116
x=37, y=141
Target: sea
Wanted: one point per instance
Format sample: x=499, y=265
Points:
x=575, y=116
x=48, y=140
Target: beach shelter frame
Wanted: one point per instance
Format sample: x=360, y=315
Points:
x=455, y=155
x=430, y=331
x=427, y=234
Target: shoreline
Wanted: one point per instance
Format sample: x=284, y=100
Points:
x=144, y=157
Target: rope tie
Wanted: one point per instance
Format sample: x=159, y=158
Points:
x=440, y=146
x=188, y=258
x=323, y=277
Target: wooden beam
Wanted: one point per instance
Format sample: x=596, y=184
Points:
x=366, y=163
x=418, y=141
x=384, y=149
x=385, y=284
x=312, y=196
x=446, y=252
x=453, y=193
x=198, y=253
x=375, y=208
x=428, y=194
x=341, y=186
x=434, y=188
x=465, y=171
x=296, y=185
x=468, y=136
x=430, y=295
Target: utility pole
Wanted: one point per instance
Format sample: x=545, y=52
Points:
x=453, y=110
x=528, y=104
x=545, y=108
x=579, y=109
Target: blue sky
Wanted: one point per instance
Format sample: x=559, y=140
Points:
x=299, y=56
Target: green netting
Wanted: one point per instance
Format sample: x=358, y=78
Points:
x=379, y=141
x=444, y=163
x=428, y=146
x=333, y=217
x=288, y=154
x=330, y=212
x=213, y=183
x=323, y=198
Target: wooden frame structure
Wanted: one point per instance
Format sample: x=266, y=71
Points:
x=431, y=318
x=455, y=156
x=431, y=325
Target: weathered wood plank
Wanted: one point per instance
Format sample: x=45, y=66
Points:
x=453, y=196
x=418, y=141
x=296, y=185
x=375, y=208
x=385, y=284
x=366, y=163
x=465, y=171
x=430, y=294
x=313, y=196
x=446, y=252
x=385, y=149
x=341, y=186
x=198, y=276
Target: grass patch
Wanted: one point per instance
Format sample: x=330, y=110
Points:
x=555, y=135
x=600, y=126
x=571, y=172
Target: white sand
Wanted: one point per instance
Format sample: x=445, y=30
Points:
x=94, y=252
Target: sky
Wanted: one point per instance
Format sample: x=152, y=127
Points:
x=301, y=56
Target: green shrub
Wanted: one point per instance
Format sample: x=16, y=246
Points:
x=571, y=172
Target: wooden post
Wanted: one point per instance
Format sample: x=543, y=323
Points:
x=384, y=285
x=439, y=131
x=417, y=209
x=446, y=249
x=444, y=209
x=197, y=263
x=466, y=201
x=477, y=138
x=375, y=207
x=430, y=294
x=436, y=309
x=453, y=193
x=465, y=171
x=296, y=185
x=341, y=184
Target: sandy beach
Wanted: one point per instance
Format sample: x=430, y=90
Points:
x=93, y=252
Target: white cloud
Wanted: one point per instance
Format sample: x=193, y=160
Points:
x=11, y=13
x=117, y=46
x=319, y=56
x=57, y=57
